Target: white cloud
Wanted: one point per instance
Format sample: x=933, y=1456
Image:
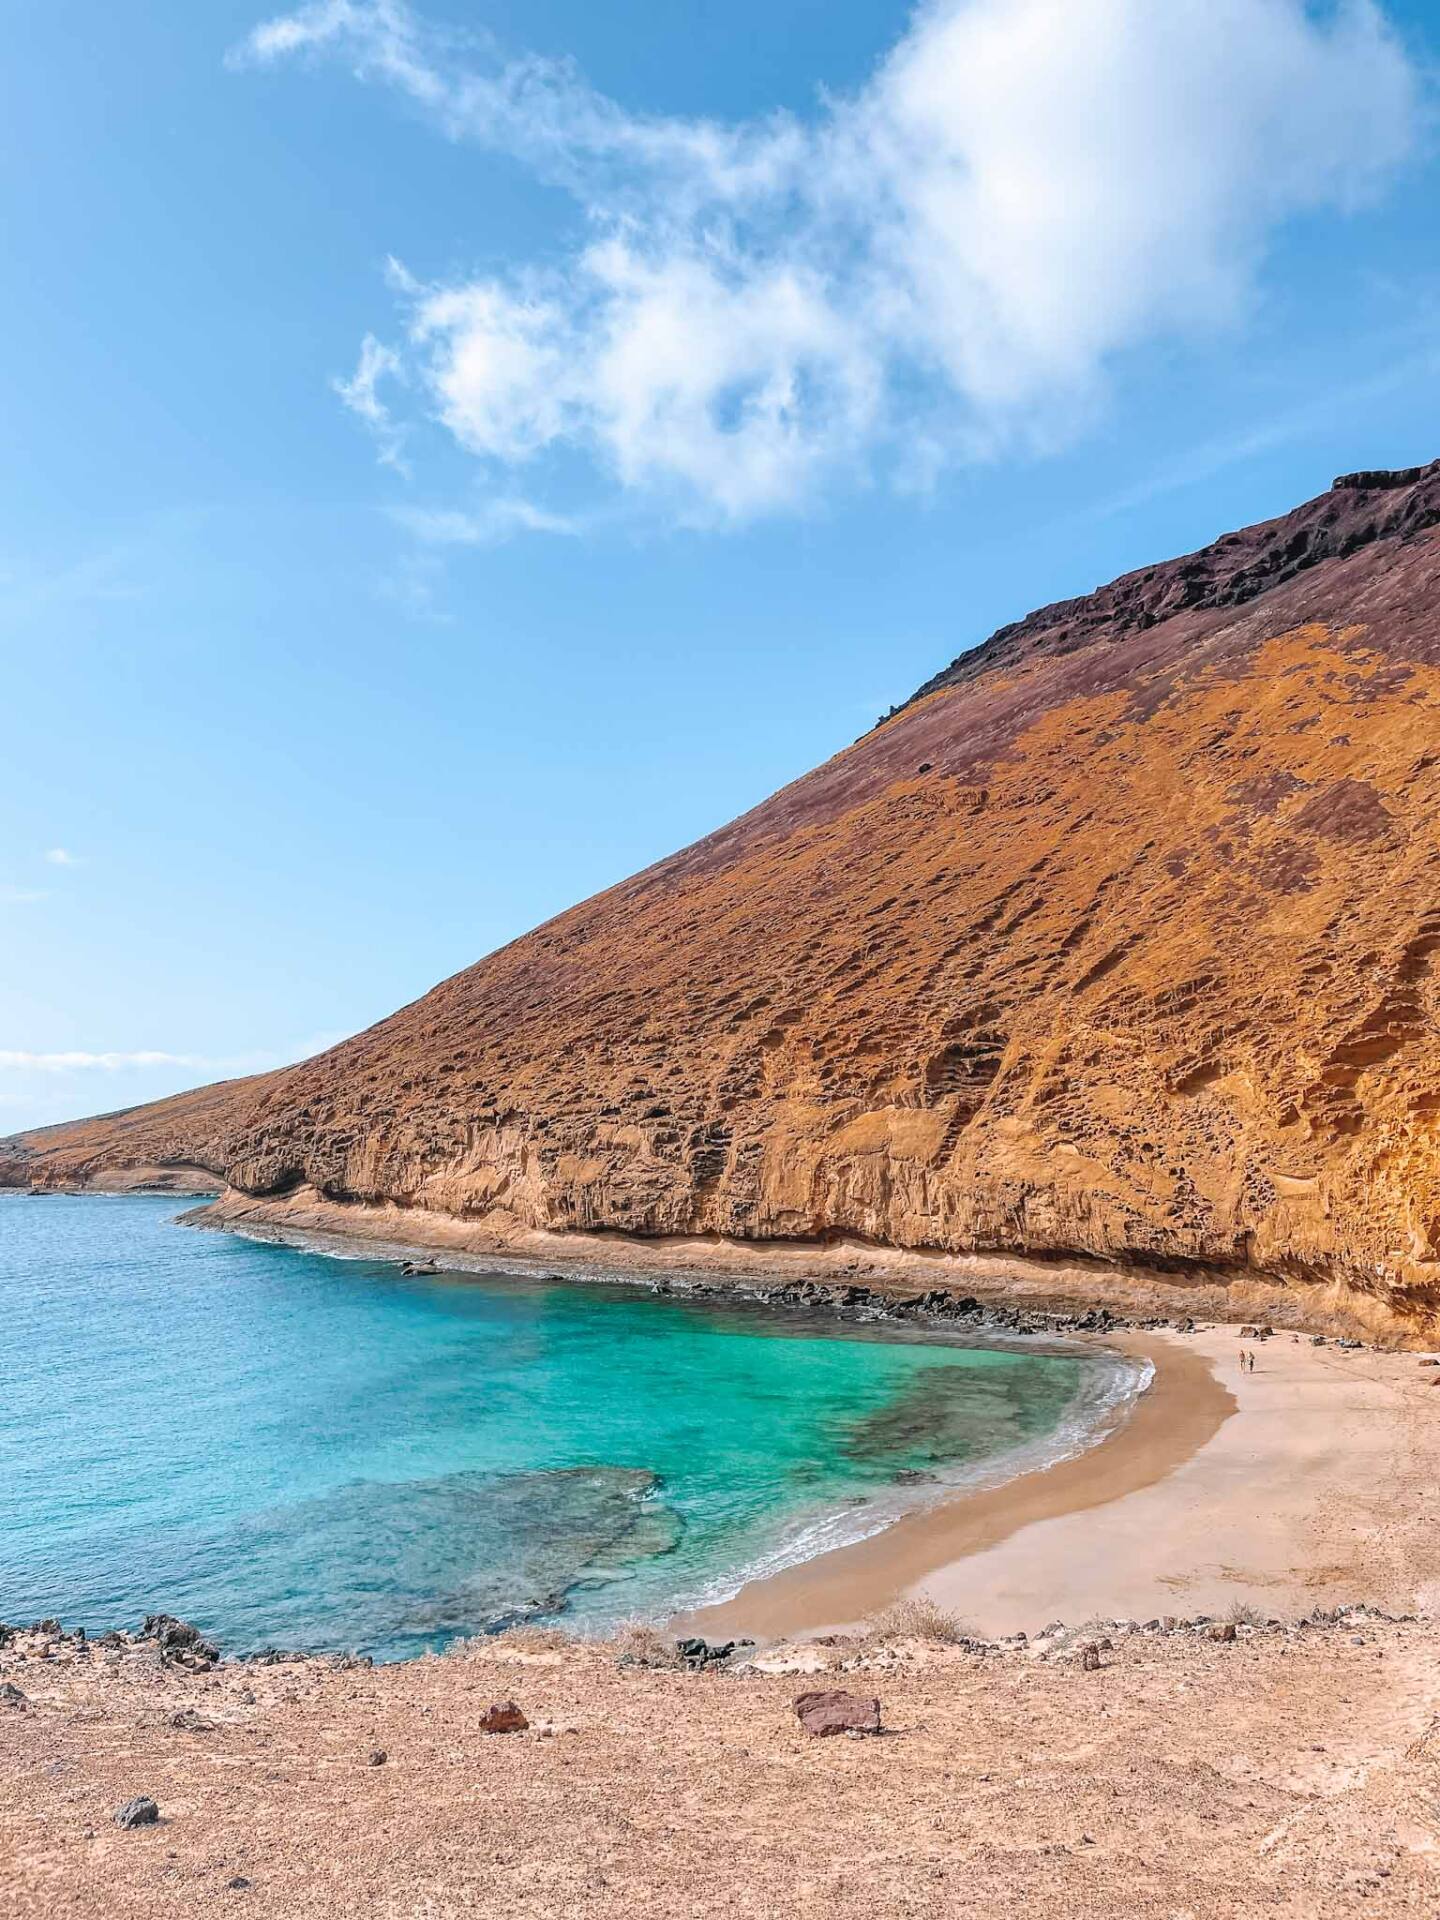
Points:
x=20, y=896
x=941, y=265
x=62, y=857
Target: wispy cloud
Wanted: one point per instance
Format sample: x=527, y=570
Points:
x=96, y=579
x=20, y=896
x=62, y=857
x=492, y=520
x=19, y=1061
x=361, y=394
x=940, y=266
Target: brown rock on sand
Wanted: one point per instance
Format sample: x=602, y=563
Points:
x=831, y=1710
x=503, y=1717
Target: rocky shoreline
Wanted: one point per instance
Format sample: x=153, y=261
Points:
x=163, y=1644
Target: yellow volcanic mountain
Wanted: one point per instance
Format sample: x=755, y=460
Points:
x=1118, y=940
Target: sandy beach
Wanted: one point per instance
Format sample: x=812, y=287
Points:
x=1305, y=1482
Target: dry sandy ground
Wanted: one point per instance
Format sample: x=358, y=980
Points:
x=1288, y=1773
x=1319, y=1487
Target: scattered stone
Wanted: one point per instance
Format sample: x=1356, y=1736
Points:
x=140, y=1812
x=238, y=1884
x=503, y=1717
x=1223, y=1630
x=831, y=1710
x=189, y=1721
x=11, y=1696
x=1090, y=1659
x=378, y=1757
x=179, y=1641
x=697, y=1653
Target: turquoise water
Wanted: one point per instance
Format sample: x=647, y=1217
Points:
x=300, y=1451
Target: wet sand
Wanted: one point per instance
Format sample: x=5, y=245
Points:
x=1183, y=1407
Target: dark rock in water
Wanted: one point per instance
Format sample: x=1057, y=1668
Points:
x=831, y=1710
x=914, y=1477
x=140, y=1812
x=416, y=1563
x=503, y=1717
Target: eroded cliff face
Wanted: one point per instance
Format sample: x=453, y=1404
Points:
x=1122, y=940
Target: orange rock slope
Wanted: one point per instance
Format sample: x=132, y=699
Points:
x=1118, y=940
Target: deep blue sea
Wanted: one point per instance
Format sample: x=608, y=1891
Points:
x=298, y=1450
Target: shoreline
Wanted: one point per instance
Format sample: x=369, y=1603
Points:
x=1056, y=1285
x=1304, y=1482
x=1309, y=1488
x=1146, y=1437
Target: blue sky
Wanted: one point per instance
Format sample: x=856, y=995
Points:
x=730, y=369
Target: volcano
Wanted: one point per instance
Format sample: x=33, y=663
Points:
x=1118, y=942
